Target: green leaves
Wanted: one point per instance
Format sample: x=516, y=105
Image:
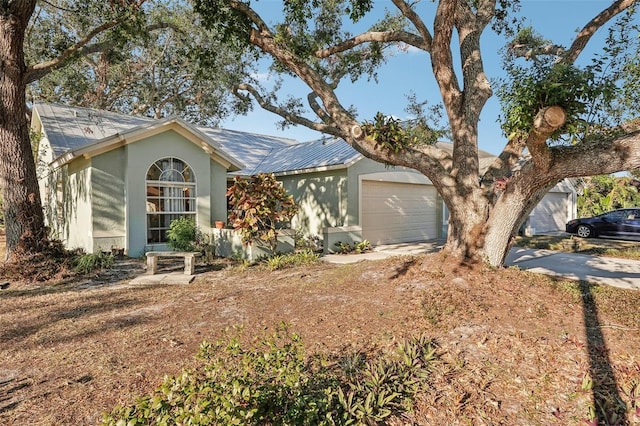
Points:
x=544, y=85
x=395, y=135
x=154, y=60
x=90, y=262
x=182, y=234
x=259, y=206
x=273, y=381
x=601, y=194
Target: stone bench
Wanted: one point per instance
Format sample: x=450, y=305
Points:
x=189, y=260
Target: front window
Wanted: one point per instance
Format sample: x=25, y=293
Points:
x=170, y=195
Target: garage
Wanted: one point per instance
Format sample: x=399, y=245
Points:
x=551, y=214
x=395, y=212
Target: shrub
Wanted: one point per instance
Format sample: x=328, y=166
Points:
x=304, y=242
x=358, y=247
x=274, y=382
x=90, y=262
x=182, y=234
x=291, y=260
x=259, y=206
x=362, y=246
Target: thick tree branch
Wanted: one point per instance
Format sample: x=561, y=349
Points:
x=486, y=12
x=476, y=84
x=373, y=36
x=596, y=157
x=251, y=14
x=339, y=115
x=417, y=22
x=37, y=71
x=317, y=109
x=295, y=119
x=527, y=52
x=83, y=48
x=594, y=25
x=441, y=58
x=506, y=161
x=547, y=121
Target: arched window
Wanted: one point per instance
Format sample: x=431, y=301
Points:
x=171, y=188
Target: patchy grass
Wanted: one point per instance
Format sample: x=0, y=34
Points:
x=573, y=244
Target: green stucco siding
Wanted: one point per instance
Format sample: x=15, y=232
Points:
x=109, y=199
x=218, y=185
x=141, y=155
x=76, y=204
x=321, y=197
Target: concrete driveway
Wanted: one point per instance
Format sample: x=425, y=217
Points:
x=595, y=269
x=612, y=271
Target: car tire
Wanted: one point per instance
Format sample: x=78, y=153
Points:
x=584, y=231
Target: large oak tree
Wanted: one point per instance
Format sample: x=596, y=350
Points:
x=551, y=136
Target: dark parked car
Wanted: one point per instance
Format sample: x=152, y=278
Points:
x=622, y=223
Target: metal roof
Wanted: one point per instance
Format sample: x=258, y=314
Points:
x=318, y=154
x=71, y=128
x=250, y=148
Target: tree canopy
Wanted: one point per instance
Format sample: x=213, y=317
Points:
x=159, y=61
x=561, y=119
x=600, y=194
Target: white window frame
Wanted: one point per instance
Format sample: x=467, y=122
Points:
x=170, y=196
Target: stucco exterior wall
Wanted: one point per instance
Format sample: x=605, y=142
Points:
x=218, y=187
x=108, y=192
x=321, y=198
x=76, y=205
x=141, y=155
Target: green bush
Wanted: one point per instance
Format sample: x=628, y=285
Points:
x=357, y=247
x=291, y=260
x=182, y=234
x=260, y=206
x=304, y=242
x=274, y=382
x=90, y=262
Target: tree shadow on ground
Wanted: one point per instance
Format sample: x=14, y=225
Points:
x=608, y=405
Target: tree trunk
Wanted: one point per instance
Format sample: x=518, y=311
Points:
x=23, y=214
x=466, y=231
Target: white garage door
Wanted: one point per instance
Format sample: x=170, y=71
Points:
x=397, y=212
x=550, y=214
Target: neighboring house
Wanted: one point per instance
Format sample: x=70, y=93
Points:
x=558, y=206
x=114, y=181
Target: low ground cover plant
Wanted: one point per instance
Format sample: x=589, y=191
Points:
x=273, y=381
x=355, y=247
x=291, y=260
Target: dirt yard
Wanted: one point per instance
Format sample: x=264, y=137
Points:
x=514, y=348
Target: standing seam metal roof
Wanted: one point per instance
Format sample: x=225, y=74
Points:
x=70, y=128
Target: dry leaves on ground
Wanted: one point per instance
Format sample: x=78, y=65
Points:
x=513, y=347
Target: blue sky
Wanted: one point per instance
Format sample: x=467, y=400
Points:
x=556, y=20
